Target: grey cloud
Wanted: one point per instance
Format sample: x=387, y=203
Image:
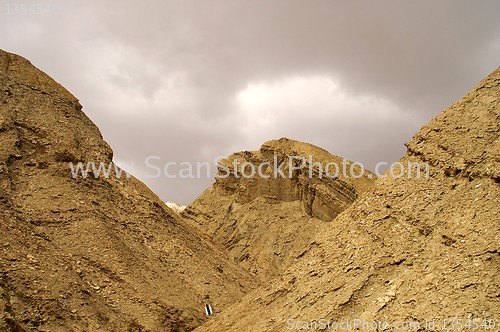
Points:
x=122, y=59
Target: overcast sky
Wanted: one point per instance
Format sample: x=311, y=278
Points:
x=195, y=80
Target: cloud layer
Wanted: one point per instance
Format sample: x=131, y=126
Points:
x=191, y=80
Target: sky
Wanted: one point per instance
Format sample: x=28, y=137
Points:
x=178, y=81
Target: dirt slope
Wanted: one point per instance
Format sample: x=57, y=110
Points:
x=266, y=220
x=90, y=254
x=410, y=249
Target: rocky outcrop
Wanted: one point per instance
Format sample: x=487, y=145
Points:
x=293, y=171
x=412, y=249
x=175, y=207
x=265, y=205
x=90, y=253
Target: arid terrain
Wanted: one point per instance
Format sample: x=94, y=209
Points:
x=106, y=254
x=91, y=254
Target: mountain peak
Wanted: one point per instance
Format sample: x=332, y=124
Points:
x=262, y=199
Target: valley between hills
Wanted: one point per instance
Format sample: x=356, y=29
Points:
x=107, y=254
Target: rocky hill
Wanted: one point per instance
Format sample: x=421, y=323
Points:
x=265, y=218
x=422, y=250
x=90, y=254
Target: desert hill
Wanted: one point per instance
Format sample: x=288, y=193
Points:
x=409, y=249
x=266, y=220
x=90, y=254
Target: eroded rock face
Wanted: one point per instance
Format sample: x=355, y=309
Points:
x=265, y=220
x=411, y=249
x=90, y=254
x=291, y=173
